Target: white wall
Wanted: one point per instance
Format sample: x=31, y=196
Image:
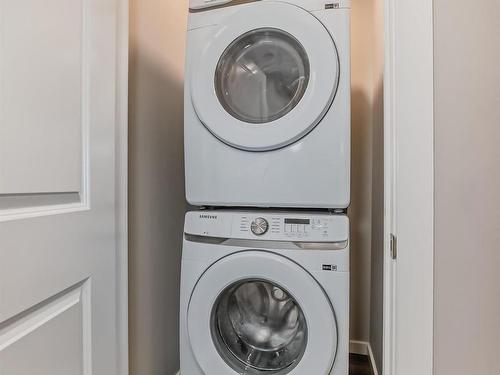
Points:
x=467, y=203
x=157, y=37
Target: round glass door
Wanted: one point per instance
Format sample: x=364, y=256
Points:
x=259, y=328
x=262, y=75
x=260, y=313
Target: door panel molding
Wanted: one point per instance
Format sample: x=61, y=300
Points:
x=10, y=202
x=25, y=190
x=25, y=323
x=26, y=206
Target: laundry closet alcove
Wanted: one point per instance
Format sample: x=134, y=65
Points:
x=158, y=31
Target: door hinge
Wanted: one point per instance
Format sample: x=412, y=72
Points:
x=394, y=247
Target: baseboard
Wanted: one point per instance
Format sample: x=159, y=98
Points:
x=355, y=347
x=364, y=348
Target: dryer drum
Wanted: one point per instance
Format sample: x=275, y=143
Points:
x=258, y=328
x=262, y=75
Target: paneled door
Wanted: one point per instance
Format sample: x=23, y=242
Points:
x=58, y=229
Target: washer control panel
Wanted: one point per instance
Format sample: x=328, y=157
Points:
x=291, y=227
x=269, y=226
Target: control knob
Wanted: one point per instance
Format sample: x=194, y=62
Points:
x=259, y=226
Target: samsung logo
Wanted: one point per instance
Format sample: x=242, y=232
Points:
x=206, y=216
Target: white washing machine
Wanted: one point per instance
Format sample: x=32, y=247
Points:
x=265, y=293
x=267, y=103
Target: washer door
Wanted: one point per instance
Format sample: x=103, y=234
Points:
x=265, y=77
x=258, y=313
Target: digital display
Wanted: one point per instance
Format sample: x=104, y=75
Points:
x=298, y=221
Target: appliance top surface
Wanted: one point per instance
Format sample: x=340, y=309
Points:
x=268, y=225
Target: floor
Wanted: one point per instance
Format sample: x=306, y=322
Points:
x=359, y=365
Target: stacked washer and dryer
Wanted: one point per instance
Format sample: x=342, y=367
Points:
x=265, y=264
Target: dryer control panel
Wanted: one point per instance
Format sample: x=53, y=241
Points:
x=263, y=225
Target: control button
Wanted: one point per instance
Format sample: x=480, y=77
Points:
x=259, y=226
x=319, y=225
x=275, y=225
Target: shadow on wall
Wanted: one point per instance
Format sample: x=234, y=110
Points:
x=360, y=213
x=377, y=250
x=157, y=206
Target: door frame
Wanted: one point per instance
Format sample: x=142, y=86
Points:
x=121, y=185
x=409, y=187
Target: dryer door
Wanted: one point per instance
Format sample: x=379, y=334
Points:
x=266, y=76
x=255, y=312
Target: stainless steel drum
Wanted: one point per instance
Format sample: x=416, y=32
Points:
x=259, y=328
x=262, y=75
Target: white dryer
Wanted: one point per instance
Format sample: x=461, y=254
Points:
x=264, y=294
x=267, y=103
